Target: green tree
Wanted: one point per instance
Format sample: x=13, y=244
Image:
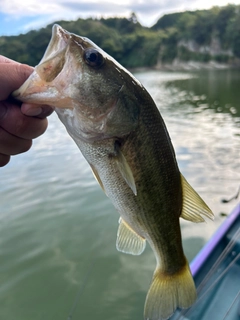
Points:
x=202, y=30
x=225, y=15
x=233, y=34
x=136, y=46
x=186, y=23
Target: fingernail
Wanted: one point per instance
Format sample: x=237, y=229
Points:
x=31, y=111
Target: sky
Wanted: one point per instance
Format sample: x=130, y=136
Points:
x=22, y=16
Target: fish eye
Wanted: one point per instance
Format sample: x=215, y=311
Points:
x=93, y=57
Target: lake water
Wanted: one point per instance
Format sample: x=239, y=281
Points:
x=57, y=228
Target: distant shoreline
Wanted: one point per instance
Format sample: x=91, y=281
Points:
x=188, y=66
x=195, y=65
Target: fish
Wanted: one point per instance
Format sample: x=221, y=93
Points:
x=121, y=133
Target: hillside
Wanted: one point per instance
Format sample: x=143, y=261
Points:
x=203, y=35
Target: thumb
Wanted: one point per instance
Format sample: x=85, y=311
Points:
x=36, y=110
x=12, y=76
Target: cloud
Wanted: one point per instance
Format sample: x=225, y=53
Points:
x=95, y=7
x=28, y=7
x=147, y=11
x=114, y=7
x=22, y=16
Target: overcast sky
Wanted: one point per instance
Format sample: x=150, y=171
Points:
x=24, y=15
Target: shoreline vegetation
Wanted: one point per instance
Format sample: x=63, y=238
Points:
x=190, y=40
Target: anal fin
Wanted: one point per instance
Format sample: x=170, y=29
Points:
x=193, y=205
x=128, y=241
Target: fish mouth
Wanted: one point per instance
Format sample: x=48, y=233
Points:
x=38, y=88
x=58, y=43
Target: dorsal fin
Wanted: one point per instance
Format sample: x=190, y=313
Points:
x=128, y=241
x=193, y=205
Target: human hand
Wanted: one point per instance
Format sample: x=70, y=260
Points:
x=19, y=124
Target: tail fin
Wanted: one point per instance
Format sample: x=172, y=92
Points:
x=168, y=292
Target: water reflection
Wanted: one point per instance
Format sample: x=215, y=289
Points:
x=213, y=89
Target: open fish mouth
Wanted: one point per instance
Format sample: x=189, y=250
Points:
x=46, y=71
x=59, y=41
x=54, y=58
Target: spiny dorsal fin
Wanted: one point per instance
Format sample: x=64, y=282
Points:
x=125, y=171
x=96, y=176
x=128, y=241
x=193, y=205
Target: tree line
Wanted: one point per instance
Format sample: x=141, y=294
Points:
x=134, y=45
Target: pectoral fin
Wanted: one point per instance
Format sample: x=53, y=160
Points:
x=128, y=241
x=125, y=171
x=193, y=205
x=96, y=176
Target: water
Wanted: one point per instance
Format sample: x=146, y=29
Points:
x=58, y=230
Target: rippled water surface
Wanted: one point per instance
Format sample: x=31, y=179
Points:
x=57, y=233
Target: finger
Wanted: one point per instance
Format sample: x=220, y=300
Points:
x=20, y=125
x=12, y=145
x=12, y=77
x=34, y=110
x=6, y=60
x=4, y=159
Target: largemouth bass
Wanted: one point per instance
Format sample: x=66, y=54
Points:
x=120, y=132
